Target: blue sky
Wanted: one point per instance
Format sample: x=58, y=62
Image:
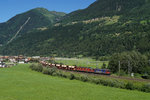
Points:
x=9, y=8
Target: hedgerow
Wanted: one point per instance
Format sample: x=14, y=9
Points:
x=106, y=82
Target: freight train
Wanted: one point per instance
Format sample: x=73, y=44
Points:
x=79, y=69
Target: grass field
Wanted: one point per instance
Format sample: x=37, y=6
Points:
x=20, y=83
x=83, y=62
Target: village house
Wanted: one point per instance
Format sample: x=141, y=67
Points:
x=2, y=64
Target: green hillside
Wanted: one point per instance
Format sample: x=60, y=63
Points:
x=102, y=8
x=38, y=17
x=20, y=83
x=104, y=28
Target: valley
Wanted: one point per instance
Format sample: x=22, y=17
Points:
x=101, y=51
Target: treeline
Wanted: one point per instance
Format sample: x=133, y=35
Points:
x=130, y=62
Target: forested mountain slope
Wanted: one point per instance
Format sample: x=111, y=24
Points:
x=25, y=22
x=104, y=28
x=102, y=8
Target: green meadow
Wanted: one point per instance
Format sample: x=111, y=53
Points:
x=21, y=83
x=83, y=62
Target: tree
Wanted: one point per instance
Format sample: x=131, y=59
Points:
x=104, y=65
x=129, y=61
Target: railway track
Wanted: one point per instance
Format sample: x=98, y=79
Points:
x=110, y=76
x=106, y=76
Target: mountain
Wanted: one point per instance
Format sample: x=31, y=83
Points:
x=28, y=21
x=104, y=28
x=102, y=8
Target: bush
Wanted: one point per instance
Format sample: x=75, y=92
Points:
x=52, y=70
x=111, y=83
x=96, y=81
x=45, y=70
x=32, y=66
x=130, y=86
x=59, y=73
x=38, y=67
x=63, y=75
x=77, y=77
x=84, y=78
x=49, y=71
x=146, y=87
x=146, y=76
x=54, y=74
x=104, y=82
x=119, y=84
x=71, y=76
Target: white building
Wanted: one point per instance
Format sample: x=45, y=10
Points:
x=21, y=62
x=2, y=65
x=36, y=57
